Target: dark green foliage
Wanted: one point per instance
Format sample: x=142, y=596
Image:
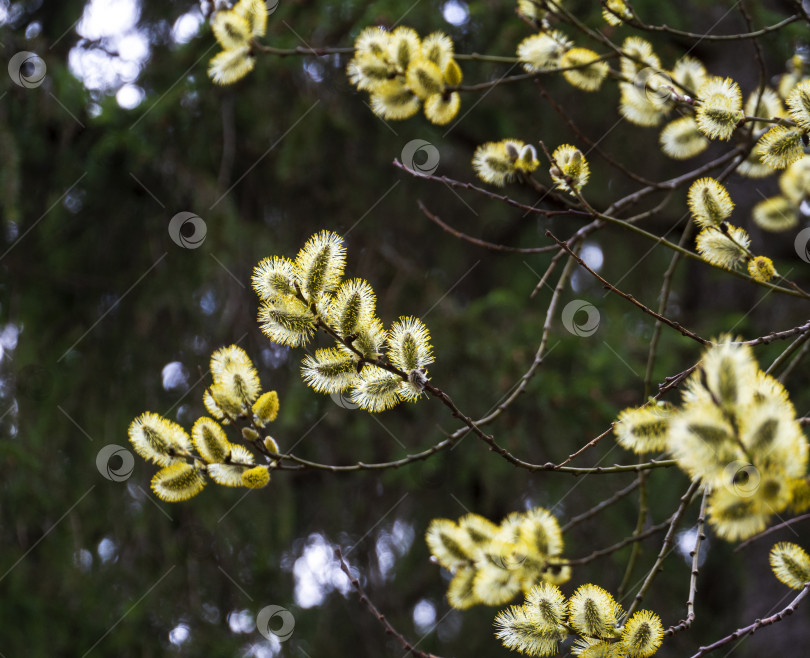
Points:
x=104, y=299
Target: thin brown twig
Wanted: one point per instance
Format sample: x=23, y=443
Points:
x=481, y=86
x=549, y=270
x=787, y=353
x=675, y=325
x=621, y=493
x=763, y=74
x=759, y=623
x=673, y=381
x=476, y=241
x=776, y=528
x=677, y=181
x=666, y=288
x=640, y=521
x=497, y=197
x=794, y=362
x=300, y=50
x=715, y=37
x=666, y=547
x=515, y=461
x=588, y=445
x=564, y=115
x=695, y=553
x=389, y=629
x=302, y=464
x=801, y=330
x=540, y=354
x=632, y=539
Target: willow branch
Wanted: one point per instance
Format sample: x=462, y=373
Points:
x=794, y=362
x=476, y=241
x=759, y=623
x=678, y=181
x=675, y=325
x=666, y=288
x=636, y=551
x=302, y=464
x=565, y=116
x=301, y=50
x=468, y=422
x=772, y=529
x=796, y=292
x=695, y=553
x=715, y=37
x=801, y=330
x=541, y=349
x=482, y=86
x=389, y=629
x=666, y=547
x=632, y=539
x=621, y=493
x=491, y=195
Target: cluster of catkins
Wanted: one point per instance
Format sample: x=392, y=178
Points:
x=736, y=432
x=506, y=161
x=235, y=395
x=301, y=296
x=710, y=107
x=234, y=30
x=402, y=71
x=492, y=563
x=546, y=619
